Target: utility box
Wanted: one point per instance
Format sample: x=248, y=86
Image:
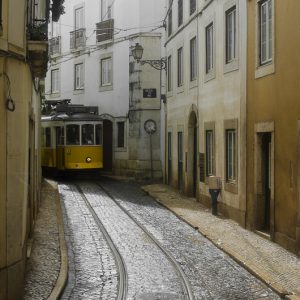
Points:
x=214, y=183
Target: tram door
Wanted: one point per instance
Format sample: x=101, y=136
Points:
x=107, y=145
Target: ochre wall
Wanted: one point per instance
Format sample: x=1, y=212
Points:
x=275, y=97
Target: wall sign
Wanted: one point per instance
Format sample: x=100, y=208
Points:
x=149, y=93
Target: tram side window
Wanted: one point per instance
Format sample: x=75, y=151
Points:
x=60, y=133
x=87, y=134
x=48, y=137
x=99, y=134
x=73, y=135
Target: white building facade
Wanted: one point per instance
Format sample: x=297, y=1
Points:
x=206, y=100
x=91, y=64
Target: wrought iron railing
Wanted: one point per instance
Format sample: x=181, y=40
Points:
x=55, y=45
x=77, y=38
x=105, y=30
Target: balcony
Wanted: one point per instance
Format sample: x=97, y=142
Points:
x=37, y=46
x=55, y=46
x=77, y=39
x=105, y=31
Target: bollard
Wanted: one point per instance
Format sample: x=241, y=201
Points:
x=214, y=184
x=214, y=193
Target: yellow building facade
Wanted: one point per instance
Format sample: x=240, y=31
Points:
x=23, y=65
x=273, y=121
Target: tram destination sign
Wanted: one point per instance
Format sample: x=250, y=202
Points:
x=149, y=93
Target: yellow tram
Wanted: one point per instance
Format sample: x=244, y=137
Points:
x=72, y=138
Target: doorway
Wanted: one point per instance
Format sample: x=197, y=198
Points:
x=192, y=155
x=264, y=182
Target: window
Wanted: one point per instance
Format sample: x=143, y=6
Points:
x=170, y=18
x=105, y=10
x=209, y=143
x=54, y=81
x=180, y=67
x=73, y=134
x=230, y=41
x=230, y=155
x=193, y=59
x=209, y=47
x=265, y=31
x=169, y=70
x=99, y=134
x=79, y=23
x=192, y=6
x=180, y=13
x=79, y=77
x=106, y=71
x=60, y=136
x=121, y=134
x=48, y=137
x=87, y=134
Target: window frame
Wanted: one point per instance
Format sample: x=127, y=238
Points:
x=231, y=179
x=231, y=54
x=109, y=71
x=55, y=83
x=119, y=137
x=180, y=12
x=79, y=87
x=180, y=67
x=209, y=48
x=193, y=59
x=169, y=74
x=209, y=152
x=193, y=6
x=170, y=17
x=267, y=67
x=80, y=8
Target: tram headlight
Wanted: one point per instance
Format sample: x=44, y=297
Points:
x=88, y=160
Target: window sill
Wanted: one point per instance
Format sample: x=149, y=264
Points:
x=120, y=149
x=78, y=92
x=231, y=187
x=106, y=88
x=210, y=75
x=193, y=83
x=264, y=70
x=231, y=66
x=180, y=89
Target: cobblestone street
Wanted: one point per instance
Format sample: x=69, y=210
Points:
x=164, y=257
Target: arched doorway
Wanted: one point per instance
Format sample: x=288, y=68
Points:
x=192, y=155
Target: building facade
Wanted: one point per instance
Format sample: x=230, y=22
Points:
x=206, y=100
x=273, y=203
x=23, y=64
x=91, y=64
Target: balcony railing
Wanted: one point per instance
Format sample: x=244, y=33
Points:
x=105, y=31
x=55, y=45
x=77, y=38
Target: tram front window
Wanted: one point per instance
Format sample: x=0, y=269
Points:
x=73, y=135
x=87, y=134
x=59, y=135
x=99, y=134
x=48, y=137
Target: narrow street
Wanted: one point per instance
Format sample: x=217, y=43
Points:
x=124, y=245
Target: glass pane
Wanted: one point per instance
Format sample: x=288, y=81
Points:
x=87, y=134
x=60, y=135
x=99, y=134
x=73, y=135
x=48, y=137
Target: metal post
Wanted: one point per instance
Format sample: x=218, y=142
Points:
x=151, y=166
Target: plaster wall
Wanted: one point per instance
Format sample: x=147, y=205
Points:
x=216, y=98
x=274, y=98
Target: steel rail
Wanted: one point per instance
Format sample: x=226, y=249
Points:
x=122, y=290
x=188, y=293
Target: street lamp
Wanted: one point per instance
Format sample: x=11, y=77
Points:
x=158, y=64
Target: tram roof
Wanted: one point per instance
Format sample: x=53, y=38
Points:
x=76, y=117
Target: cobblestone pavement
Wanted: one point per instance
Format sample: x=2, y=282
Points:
x=149, y=272
x=92, y=268
x=42, y=268
x=212, y=274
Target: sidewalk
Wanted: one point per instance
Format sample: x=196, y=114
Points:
x=47, y=266
x=274, y=265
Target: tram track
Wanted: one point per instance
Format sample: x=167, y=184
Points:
x=187, y=289
x=122, y=288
